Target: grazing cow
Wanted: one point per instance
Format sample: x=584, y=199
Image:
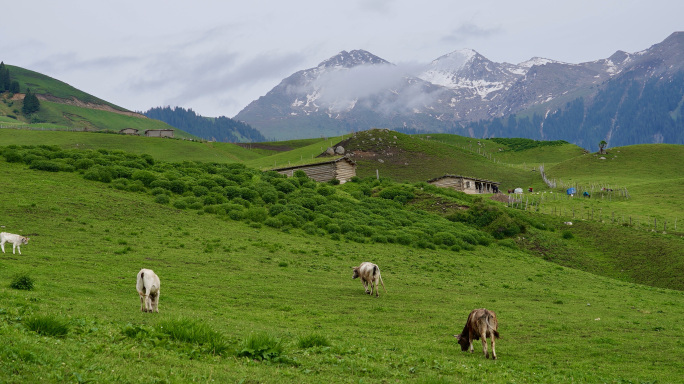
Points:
x=16, y=241
x=481, y=323
x=148, y=289
x=370, y=275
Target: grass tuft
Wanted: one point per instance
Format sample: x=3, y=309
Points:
x=47, y=325
x=189, y=331
x=261, y=346
x=313, y=340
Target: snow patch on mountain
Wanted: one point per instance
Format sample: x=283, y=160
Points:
x=537, y=61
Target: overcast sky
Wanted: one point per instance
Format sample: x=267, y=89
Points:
x=217, y=56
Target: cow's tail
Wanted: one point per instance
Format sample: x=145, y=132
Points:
x=142, y=279
x=491, y=329
x=376, y=270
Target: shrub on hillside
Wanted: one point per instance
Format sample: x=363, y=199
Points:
x=146, y=177
x=22, y=282
x=98, y=173
x=397, y=193
x=505, y=226
x=162, y=199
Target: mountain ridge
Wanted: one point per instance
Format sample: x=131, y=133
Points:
x=349, y=92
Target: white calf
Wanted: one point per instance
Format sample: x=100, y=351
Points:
x=148, y=289
x=370, y=275
x=16, y=241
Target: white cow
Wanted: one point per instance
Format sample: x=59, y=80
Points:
x=370, y=275
x=16, y=241
x=148, y=289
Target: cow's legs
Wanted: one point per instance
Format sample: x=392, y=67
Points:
x=2, y=245
x=491, y=335
x=16, y=246
x=142, y=302
x=483, y=336
x=155, y=303
x=365, y=286
x=470, y=340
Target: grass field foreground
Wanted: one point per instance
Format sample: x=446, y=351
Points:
x=88, y=241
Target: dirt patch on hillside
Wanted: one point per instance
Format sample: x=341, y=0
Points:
x=78, y=103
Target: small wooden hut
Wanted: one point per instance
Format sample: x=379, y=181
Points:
x=341, y=169
x=159, y=133
x=129, y=131
x=469, y=185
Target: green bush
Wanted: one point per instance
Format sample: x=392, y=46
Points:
x=256, y=214
x=444, y=238
x=51, y=166
x=568, y=235
x=47, y=325
x=162, y=199
x=396, y=193
x=180, y=204
x=22, y=282
x=146, y=177
x=98, y=173
x=505, y=226
x=273, y=222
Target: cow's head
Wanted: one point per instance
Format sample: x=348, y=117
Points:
x=462, y=341
x=25, y=240
x=356, y=272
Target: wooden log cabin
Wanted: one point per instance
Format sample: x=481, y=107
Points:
x=159, y=133
x=469, y=185
x=341, y=169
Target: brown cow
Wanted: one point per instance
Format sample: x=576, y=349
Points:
x=481, y=323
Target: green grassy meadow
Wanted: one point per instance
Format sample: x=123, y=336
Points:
x=162, y=149
x=89, y=240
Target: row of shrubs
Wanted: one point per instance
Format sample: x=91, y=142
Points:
x=363, y=210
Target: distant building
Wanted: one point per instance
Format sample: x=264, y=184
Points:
x=465, y=184
x=159, y=133
x=341, y=169
x=129, y=131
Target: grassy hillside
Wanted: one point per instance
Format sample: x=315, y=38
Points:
x=42, y=84
x=161, y=149
x=650, y=173
x=64, y=107
x=413, y=158
x=241, y=281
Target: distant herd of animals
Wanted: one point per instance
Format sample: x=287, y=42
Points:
x=481, y=323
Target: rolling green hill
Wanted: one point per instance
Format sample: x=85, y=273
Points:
x=243, y=302
x=64, y=107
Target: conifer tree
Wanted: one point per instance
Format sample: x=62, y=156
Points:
x=4, y=78
x=31, y=104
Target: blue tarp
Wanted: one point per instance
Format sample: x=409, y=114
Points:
x=572, y=191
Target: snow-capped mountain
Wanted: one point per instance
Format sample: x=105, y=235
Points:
x=357, y=90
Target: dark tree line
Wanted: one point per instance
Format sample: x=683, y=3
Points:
x=6, y=83
x=220, y=128
x=31, y=103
